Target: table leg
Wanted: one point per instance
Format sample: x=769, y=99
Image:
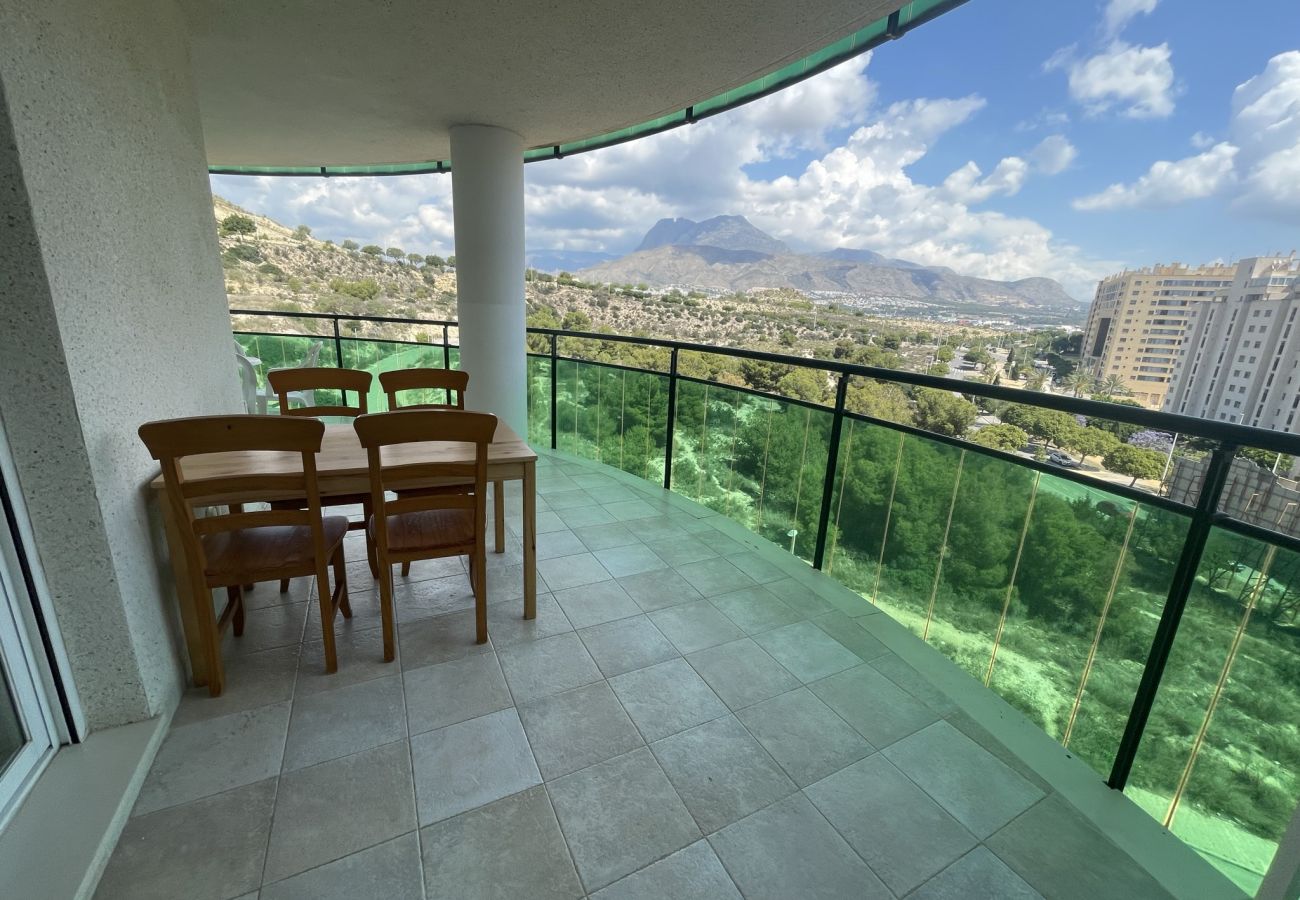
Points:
x=194, y=637
x=530, y=540
x=499, y=513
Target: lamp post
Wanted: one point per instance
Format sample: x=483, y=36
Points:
x=792, y=534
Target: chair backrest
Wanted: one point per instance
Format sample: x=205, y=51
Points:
x=287, y=381
x=247, y=381
x=450, y=381
x=290, y=472
x=403, y=468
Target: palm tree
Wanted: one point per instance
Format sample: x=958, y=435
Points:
x=1035, y=381
x=1113, y=386
x=1080, y=381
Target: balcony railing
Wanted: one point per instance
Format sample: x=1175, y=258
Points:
x=1155, y=638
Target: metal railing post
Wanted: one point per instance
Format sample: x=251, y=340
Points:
x=832, y=465
x=555, y=391
x=1180, y=588
x=672, y=419
x=446, y=348
x=338, y=345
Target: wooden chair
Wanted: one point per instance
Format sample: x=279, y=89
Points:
x=237, y=548
x=305, y=381
x=422, y=524
x=452, y=383
x=320, y=378
x=449, y=381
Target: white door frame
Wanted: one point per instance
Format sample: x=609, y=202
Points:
x=32, y=655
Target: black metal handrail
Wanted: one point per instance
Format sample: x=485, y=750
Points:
x=1174, y=423
x=1205, y=515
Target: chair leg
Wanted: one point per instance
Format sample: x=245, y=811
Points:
x=478, y=570
x=406, y=568
x=211, y=637
x=499, y=514
x=386, y=610
x=341, y=584
x=325, y=601
x=235, y=595
x=284, y=585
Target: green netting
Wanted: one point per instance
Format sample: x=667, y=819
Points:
x=908, y=16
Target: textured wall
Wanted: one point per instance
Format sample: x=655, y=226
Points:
x=119, y=313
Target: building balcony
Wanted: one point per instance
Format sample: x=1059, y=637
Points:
x=962, y=636
x=693, y=710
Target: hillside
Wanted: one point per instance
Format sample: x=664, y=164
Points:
x=727, y=253
x=280, y=269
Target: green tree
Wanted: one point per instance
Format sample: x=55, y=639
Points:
x=1001, y=437
x=1080, y=381
x=435, y=261
x=396, y=253
x=1047, y=425
x=302, y=232
x=1134, y=461
x=787, y=338
x=1267, y=459
x=943, y=412
x=451, y=261
x=940, y=369
x=351, y=245
x=803, y=384
x=415, y=259
x=238, y=225
x=879, y=399
x=1090, y=442
x=944, y=353
x=576, y=320
x=1112, y=386
x=372, y=250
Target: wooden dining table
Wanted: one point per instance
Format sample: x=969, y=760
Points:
x=342, y=470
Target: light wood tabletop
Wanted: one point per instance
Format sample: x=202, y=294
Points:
x=342, y=470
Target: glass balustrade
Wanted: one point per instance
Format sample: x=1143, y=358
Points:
x=1047, y=586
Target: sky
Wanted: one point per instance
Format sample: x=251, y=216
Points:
x=1005, y=139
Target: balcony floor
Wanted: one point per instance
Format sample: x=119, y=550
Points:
x=692, y=714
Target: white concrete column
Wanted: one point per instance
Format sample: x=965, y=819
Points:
x=487, y=184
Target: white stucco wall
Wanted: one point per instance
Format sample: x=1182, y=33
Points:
x=118, y=316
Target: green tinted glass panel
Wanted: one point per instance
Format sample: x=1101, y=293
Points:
x=385, y=356
x=758, y=460
x=1219, y=763
x=615, y=416
x=539, y=401
x=860, y=512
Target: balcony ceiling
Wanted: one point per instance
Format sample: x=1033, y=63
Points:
x=339, y=83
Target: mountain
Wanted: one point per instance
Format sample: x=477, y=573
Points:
x=727, y=253
x=723, y=232
x=556, y=261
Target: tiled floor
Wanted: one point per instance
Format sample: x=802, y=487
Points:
x=692, y=714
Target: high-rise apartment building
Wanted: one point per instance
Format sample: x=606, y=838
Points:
x=1241, y=358
x=1139, y=320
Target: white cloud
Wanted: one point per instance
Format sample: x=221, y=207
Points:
x=1136, y=81
x=858, y=194
x=1265, y=124
x=1201, y=140
x=1169, y=183
x=1053, y=155
x=1120, y=12
x=412, y=211
x=966, y=185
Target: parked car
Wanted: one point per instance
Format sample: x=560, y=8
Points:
x=1064, y=460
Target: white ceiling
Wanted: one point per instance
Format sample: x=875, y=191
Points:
x=329, y=83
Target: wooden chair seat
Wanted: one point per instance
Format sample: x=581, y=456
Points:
x=430, y=529
x=267, y=552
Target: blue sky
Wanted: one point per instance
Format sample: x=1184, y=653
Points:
x=1007, y=138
